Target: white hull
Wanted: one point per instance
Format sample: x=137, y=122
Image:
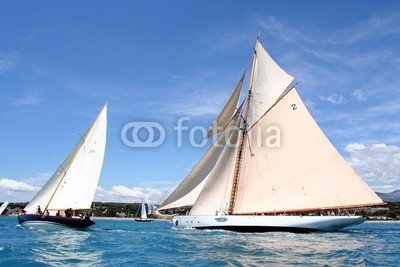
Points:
x=267, y=223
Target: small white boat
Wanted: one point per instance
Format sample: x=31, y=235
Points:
x=143, y=212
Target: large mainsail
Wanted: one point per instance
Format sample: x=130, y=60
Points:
x=74, y=183
x=300, y=170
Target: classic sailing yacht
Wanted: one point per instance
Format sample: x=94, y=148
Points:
x=73, y=184
x=281, y=174
x=143, y=212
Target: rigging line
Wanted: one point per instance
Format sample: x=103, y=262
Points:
x=287, y=90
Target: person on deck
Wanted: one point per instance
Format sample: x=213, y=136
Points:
x=68, y=213
x=39, y=210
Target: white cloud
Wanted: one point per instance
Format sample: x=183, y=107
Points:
x=125, y=194
x=354, y=147
x=359, y=95
x=377, y=25
x=27, y=100
x=12, y=185
x=335, y=99
x=9, y=187
x=377, y=164
x=8, y=61
x=274, y=27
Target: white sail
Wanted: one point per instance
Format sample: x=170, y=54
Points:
x=215, y=195
x=227, y=112
x=187, y=200
x=188, y=191
x=303, y=172
x=151, y=207
x=269, y=82
x=143, y=213
x=74, y=183
x=3, y=207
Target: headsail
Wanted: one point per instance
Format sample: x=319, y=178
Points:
x=74, y=183
x=188, y=191
x=215, y=195
x=227, y=112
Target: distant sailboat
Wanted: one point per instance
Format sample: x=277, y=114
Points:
x=3, y=207
x=74, y=183
x=281, y=171
x=143, y=212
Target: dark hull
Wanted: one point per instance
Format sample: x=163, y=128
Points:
x=41, y=219
x=143, y=220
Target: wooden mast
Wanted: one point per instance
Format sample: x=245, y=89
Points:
x=242, y=138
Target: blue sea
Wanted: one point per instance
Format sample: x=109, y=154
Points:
x=129, y=243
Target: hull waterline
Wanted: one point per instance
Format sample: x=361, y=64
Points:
x=296, y=224
x=33, y=219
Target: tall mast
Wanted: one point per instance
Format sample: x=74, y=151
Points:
x=242, y=137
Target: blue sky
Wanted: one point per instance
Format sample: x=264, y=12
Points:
x=162, y=60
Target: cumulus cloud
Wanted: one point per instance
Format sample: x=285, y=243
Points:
x=12, y=185
x=377, y=164
x=122, y=193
